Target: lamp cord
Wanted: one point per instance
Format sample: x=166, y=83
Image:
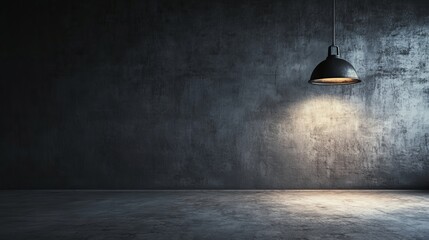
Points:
x=333, y=22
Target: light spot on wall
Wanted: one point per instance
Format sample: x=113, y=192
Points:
x=327, y=135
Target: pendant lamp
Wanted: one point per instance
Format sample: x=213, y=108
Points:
x=334, y=70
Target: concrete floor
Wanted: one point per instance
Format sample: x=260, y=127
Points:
x=214, y=215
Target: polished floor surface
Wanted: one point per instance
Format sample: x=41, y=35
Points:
x=214, y=215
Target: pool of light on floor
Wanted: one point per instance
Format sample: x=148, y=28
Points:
x=345, y=202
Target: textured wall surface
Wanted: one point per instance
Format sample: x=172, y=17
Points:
x=212, y=94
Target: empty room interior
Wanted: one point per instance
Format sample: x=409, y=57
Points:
x=222, y=119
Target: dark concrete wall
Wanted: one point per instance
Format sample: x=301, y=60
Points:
x=212, y=94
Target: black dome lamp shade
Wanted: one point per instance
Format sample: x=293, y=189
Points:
x=334, y=70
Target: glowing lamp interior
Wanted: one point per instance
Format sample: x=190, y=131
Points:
x=334, y=81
